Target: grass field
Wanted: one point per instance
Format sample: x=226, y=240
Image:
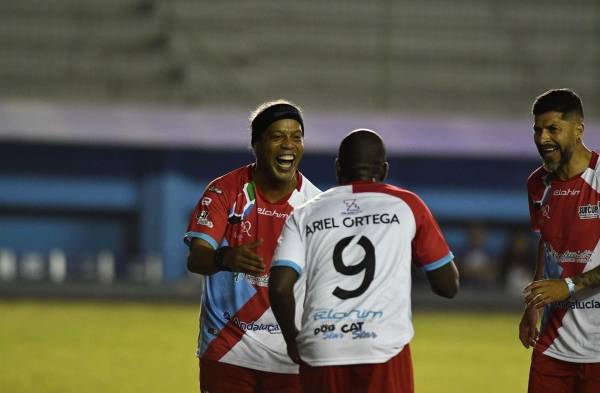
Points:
x=129, y=347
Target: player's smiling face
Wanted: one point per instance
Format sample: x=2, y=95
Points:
x=279, y=150
x=556, y=138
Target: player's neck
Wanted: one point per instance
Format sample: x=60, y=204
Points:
x=350, y=180
x=576, y=165
x=273, y=191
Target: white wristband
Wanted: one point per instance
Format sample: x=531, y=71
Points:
x=570, y=285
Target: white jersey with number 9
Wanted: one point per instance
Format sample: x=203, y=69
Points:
x=353, y=246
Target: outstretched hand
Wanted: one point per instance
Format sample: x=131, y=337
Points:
x=543, y=292
x=292, y=347
x=242, y=259
x=528, y=330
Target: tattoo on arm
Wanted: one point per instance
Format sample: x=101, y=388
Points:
x=589, y=279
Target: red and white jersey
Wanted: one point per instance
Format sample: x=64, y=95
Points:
x=353, y=245
x=236, y=322
x=567, y=213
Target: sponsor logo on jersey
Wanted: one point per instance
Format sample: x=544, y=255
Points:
x=243, y=204
x=578, y=305
x=351, y=206
x=330, y=331
x=568, y=192
x=352, y=315
x=325, y=328
x=588, y=212
x=263, y=211
x=203, y=219
x=252, y=326
x=260, y=281
x=569, y=256
x=206, y=201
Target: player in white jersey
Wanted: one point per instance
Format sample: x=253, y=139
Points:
x=353, y=246
x=564, y=203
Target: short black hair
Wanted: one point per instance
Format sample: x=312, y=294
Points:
x=362, y=156
x=564, y=101
x=271, y=111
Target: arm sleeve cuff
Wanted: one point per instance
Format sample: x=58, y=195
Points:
x=187, y=238
x=439, y=263
x=286, y=263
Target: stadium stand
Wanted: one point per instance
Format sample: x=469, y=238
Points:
x=475, y=56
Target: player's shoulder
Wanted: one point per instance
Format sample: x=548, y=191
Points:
x=307, y=188
x=537, y=177
x=231, y=181
x=387, y=189
x=595, y=162
x=309, y=205
x=304, y=192
x=538, y=174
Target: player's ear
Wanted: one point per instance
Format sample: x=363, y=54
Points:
x=386, y=170
x=580, y=131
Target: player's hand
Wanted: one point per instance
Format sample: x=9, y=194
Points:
x=292, y=350
x=242, y=259
x=528, y=330
x=542, y=292
x=292, y=347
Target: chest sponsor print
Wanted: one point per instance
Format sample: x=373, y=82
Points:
x=589, y=212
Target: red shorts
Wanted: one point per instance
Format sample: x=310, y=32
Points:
x=217, y=377
x=393, y=376
x=550, y=375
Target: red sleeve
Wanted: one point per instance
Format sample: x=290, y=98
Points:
x=209, y=219
x=429, y=248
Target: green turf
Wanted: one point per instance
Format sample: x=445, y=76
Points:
x=103, y=347
x=468, y=353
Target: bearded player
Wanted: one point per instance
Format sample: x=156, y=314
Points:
x=564, y=203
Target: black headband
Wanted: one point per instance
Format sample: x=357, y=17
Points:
x=270, y=115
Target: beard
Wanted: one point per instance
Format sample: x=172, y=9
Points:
x=565, y=156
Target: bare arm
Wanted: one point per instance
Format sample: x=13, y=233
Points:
x=444, y=281
x=283, y=304
x=539, y=265
x=528, y=330
x=203, y=259
x=543, y=292
x=590, y=279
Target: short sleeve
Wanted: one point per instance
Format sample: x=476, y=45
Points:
x=290, y=251
x=429, y=248
x=209, y=218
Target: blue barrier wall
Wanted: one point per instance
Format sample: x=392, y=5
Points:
x=136, y=202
